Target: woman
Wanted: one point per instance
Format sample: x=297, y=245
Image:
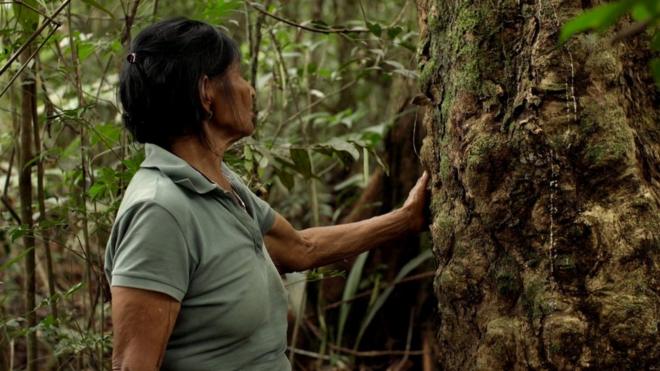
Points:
x=193, y=287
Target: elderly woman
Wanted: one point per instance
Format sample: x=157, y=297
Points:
x=194, y=257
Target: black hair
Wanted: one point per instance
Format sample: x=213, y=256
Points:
x=159, y=81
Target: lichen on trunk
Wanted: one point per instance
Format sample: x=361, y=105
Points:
x=546, y=189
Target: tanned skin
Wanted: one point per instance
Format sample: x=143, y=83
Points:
x=143, y=320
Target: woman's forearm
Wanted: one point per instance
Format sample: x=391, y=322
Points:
x=325, y=245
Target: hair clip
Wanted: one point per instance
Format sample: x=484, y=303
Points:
x=131, y=58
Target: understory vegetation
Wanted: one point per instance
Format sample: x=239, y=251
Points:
x=331, y=78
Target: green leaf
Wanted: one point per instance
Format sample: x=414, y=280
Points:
x=641, y=13
x=27, y=17
x=375, y=28
x=350, y=289
x=95, y=4
x=85, y=49
x=108, y=134
x=96, y=191
x=343, y=146
x=598, y=18
x=286, y=178
x=303, y=163
x=409, y=267
x=220, y=9
x=393, y=32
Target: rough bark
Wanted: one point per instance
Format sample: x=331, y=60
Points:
x=546, y=171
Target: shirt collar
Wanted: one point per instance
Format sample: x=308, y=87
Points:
x=176, y=169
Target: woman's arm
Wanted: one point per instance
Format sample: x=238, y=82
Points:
x=293, y=250
x=142, y=322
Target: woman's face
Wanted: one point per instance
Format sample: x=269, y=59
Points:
x=232, y=104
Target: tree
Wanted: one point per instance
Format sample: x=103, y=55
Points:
x=545, y=162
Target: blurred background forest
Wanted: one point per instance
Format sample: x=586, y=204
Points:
x=333, y=79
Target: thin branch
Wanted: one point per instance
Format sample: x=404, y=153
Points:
x=307, y=353
x=33, y=37
x=130, y=18
x=10, y=208
x=331, y=30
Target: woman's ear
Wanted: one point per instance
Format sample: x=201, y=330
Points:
x=206, y=93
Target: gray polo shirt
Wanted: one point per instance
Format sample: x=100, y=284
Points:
x=180, y=234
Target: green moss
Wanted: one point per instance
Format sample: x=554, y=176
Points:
x=507, y=277
x=602, y=154
x=532, y=298
x=428, y=71
x=479, y=150
x=605, y=130
x=445, y=169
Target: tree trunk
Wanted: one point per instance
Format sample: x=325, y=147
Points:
x=546, y=169
x=28, y=108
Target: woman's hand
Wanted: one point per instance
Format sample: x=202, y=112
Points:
x=415, y=206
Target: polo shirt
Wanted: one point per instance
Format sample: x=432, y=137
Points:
x=180, y=234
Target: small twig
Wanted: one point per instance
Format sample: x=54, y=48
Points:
x=307, y=353
x=4, y=198
x=130, y=18
x=398, y=17
x=342, y=30
x=12, y=211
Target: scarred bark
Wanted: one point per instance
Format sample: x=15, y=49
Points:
x=546, y=189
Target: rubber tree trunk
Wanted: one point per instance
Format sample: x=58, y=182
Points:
x=546, y=169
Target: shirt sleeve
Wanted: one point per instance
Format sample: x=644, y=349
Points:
x=147, y=250
x=260, y=209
